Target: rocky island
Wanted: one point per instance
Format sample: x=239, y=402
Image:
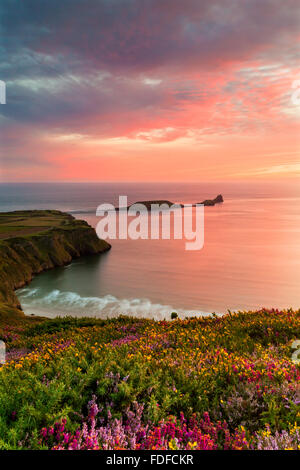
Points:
x=207, y=202
x=37, y=240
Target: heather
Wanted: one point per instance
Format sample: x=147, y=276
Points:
x=126, y=383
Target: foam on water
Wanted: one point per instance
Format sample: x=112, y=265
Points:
x=58, y=303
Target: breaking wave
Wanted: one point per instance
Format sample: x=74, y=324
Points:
x=58, y=303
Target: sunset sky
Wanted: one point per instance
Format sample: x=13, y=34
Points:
x=149, y=90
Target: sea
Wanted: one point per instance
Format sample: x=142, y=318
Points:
x=250, y=258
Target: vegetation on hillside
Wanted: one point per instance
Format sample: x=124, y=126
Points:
x=126, y=383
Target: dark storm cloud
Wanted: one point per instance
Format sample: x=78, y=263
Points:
x=51, y=51
x=131, y=35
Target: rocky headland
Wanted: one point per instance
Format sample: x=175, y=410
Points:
x=34, y=241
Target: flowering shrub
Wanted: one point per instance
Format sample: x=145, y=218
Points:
x=199, y=383
x=284, y=440
x=249, y=403
x=133, y=434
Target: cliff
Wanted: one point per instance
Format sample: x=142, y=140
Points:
x=34, y=241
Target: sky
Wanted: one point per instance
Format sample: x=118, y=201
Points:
x=149, y=90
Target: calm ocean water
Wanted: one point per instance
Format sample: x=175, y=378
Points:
x=250, y=259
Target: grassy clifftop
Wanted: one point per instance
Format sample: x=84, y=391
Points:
x=33, y=241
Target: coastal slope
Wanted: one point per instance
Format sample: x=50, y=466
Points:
x=202, y=383
x=34, y=241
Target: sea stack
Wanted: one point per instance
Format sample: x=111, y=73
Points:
x=212, y=202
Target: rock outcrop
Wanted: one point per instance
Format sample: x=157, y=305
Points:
x=212, y=202
x=58, y=242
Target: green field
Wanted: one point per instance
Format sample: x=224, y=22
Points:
x=15, y=224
